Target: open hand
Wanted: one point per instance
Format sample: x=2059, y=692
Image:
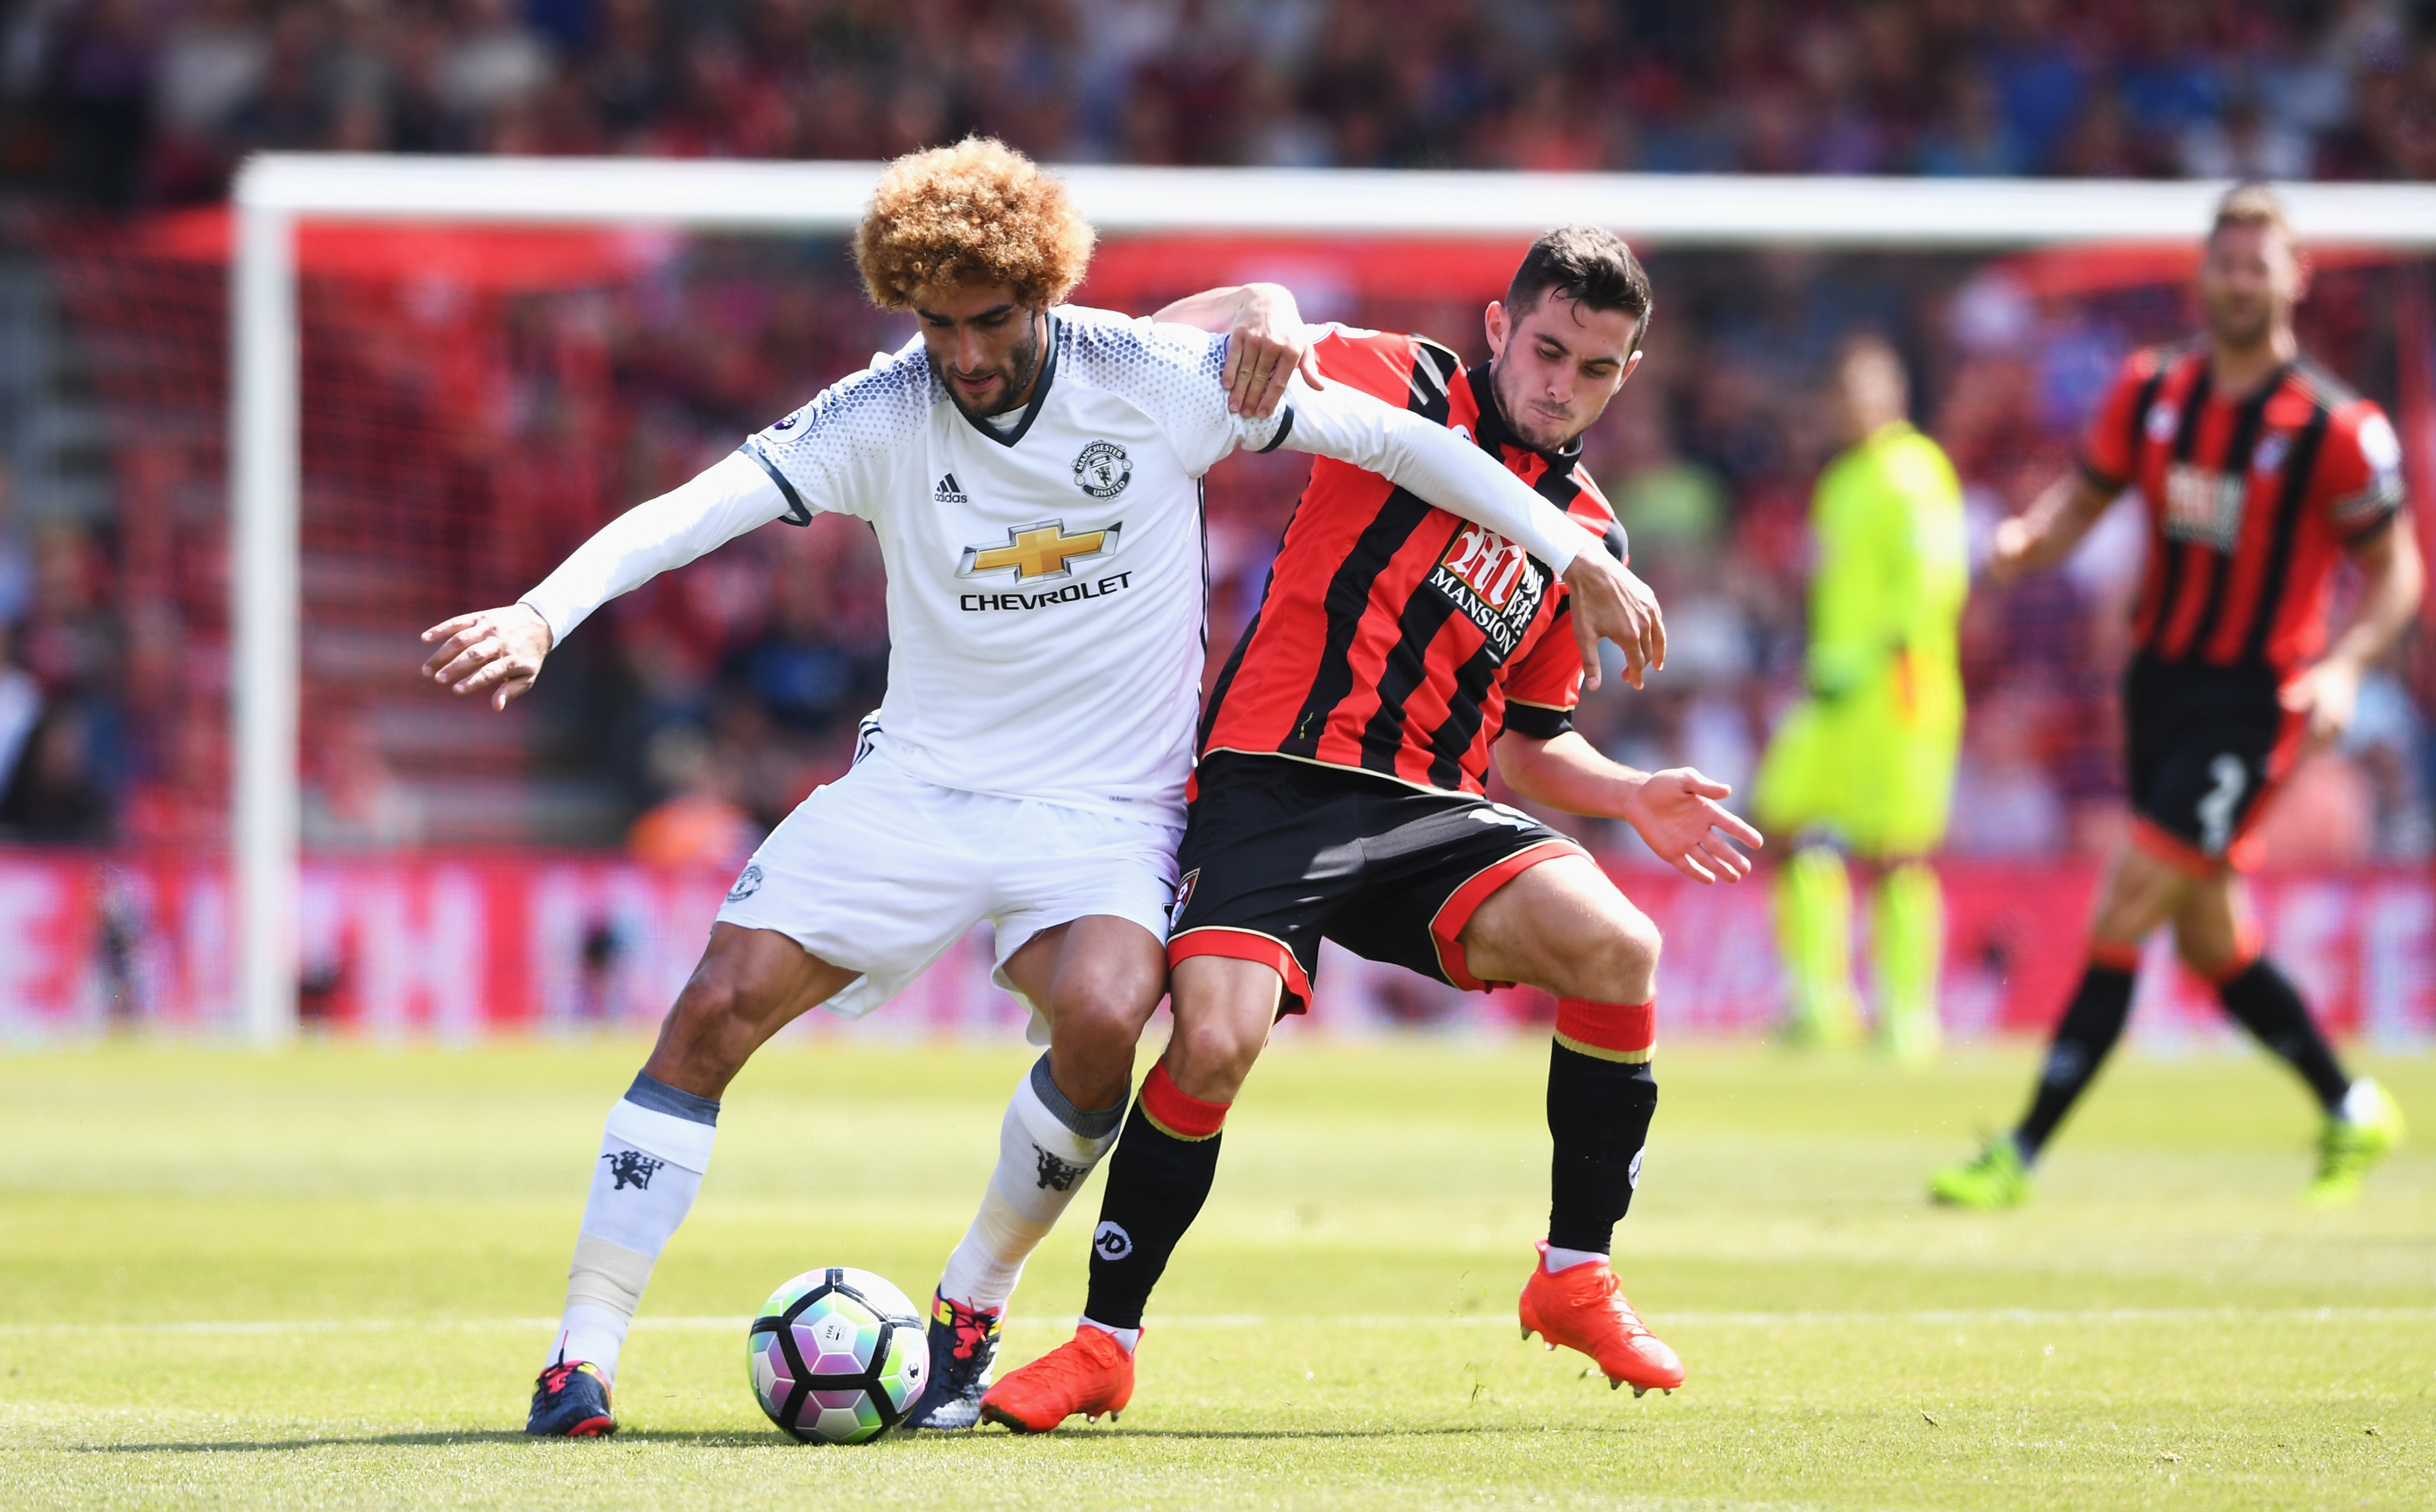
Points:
x=1610, y=603
x=1264, y=346
x=501, y=650
x=2329, y=695
x=1676, y=811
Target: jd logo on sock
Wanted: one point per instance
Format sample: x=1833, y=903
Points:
x=631, y=1168
x=1057, y=1174
x=1111, y=1241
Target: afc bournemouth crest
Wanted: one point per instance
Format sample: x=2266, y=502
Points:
x=1103, y=470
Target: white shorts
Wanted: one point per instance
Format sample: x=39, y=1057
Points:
x=880, y=872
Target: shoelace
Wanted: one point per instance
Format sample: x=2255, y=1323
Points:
x=554, y=1379
x=970, y=1331
x=1608, y=1293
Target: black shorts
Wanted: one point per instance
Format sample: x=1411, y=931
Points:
x=2205, y=746
x=1280, y=854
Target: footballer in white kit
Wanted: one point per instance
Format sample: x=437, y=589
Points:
x=1046, y=598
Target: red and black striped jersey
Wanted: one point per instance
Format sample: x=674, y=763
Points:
x=2252, y=500
x=1393, y=636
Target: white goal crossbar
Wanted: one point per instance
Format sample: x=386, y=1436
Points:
x=275, y=191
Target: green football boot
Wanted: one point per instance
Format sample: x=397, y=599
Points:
x=1996, y=1179
x=2354, y=1140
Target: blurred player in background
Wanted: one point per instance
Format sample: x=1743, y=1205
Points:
x=1031, y=472
x=1866, y=760
x=2260, y=473
x=1341, y=796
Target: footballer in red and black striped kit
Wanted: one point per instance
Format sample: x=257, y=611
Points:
x=1342, y=795
x=2259, y=474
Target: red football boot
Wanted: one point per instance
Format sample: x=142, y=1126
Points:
x=1091, y=1373
x=1583, y=1307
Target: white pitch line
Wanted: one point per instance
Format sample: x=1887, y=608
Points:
x=1933, y=1317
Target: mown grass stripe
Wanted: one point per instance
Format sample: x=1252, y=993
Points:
x=1926, y=1317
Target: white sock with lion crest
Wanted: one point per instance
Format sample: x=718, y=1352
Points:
x=652, y=1154
x=1046, y=1146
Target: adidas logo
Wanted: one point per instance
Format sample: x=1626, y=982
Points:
x=950, y=492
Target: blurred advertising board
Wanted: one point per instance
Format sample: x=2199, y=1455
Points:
x=459, y=946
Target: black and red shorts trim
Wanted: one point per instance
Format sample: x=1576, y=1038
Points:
x=1279, y=854
x=2206, y=747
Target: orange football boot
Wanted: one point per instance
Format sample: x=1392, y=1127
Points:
x=1583, y=1307
x=1091, y=1373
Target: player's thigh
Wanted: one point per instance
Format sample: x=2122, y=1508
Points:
x=2212, y=930
x=1430, y=861
x=1096, y=980
x=1081, y=902
x=879, y=872
x=2141, y=890
x=2206, y=745
x=1272, y=848
x=1563, y=926
x=749, y=984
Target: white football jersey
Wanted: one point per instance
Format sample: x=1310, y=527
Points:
x=1047, y=585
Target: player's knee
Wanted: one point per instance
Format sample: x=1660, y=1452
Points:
x=723, y=1012
x=1209, y=1055
x=1621, y=964
x=1107, y=1010
x=2211, y=960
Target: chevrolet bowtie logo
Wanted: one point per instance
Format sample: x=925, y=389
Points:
x=1037, y=551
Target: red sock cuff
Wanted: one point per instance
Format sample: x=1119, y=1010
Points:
x=2114, y=957
x=1610, y=1031
x=1185, y=1118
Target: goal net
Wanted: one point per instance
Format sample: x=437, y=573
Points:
x=435, y=379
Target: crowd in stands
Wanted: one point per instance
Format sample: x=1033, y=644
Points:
x=713, y=700
x=147, y=101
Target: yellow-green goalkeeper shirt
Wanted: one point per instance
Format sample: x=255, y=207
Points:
x=1892, y=571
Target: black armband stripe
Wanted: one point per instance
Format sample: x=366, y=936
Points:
x=797, y=512
x=1536, y=721
x=1285, y=428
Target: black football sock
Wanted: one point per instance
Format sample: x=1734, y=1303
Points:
x=1157, y=1180
x=2264, y=1002
x=1599, y=1109
x=2090, y=1028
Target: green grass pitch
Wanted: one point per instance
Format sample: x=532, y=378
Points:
x=327, y=1279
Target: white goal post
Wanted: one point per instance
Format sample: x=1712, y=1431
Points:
x=275, y=191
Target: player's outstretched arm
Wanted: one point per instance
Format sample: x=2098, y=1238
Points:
x=1676, y=811
x=1451, y=472
x=500, y=651
x=2328, y=692
x=2044, y=533
x=1266, y=342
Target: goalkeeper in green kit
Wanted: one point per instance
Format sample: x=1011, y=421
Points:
x=1864, y=765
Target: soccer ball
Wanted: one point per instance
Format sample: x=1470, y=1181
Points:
x=837, y=1356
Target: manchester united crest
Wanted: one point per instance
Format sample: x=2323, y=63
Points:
x=1103, y=470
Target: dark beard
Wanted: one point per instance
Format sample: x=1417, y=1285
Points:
x=1505, y=412
x=1026, y=362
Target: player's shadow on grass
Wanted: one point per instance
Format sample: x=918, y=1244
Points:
x=733, y=1438
x=706, y=1438
x=1464, y=1431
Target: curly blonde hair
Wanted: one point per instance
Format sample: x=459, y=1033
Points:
x=976, y=213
